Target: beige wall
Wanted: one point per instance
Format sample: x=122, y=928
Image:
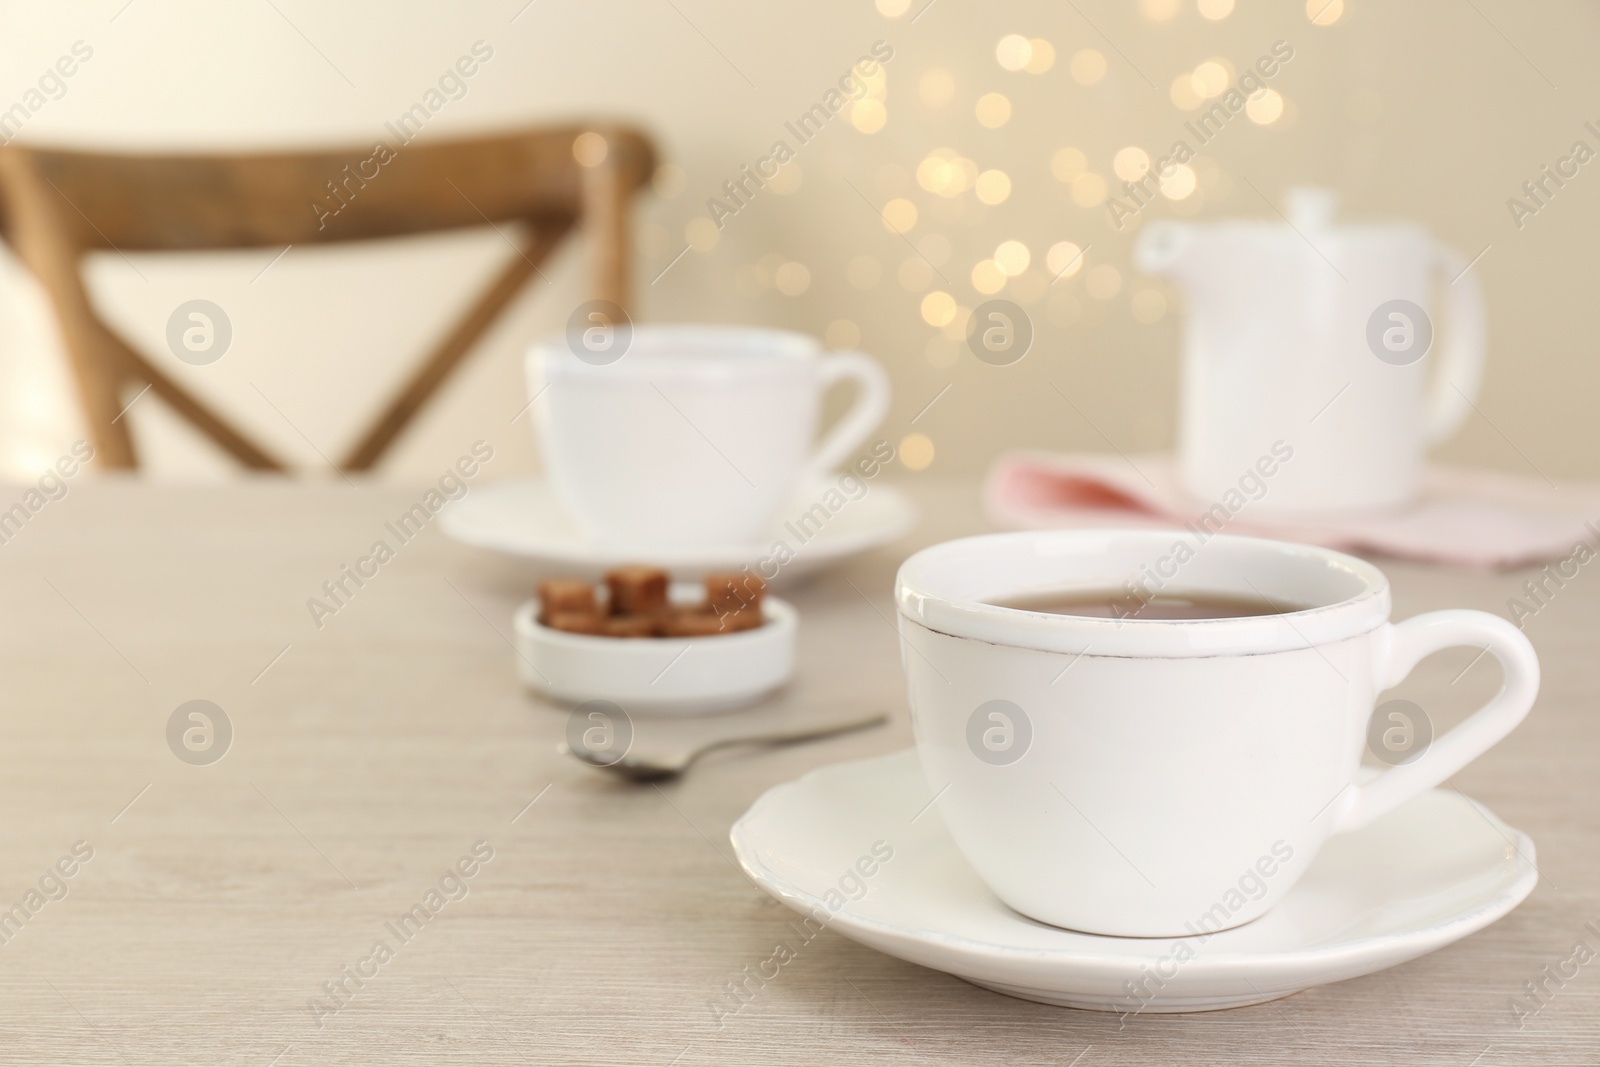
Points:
x=1428, y=110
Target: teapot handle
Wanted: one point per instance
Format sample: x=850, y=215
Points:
x=1460, y=367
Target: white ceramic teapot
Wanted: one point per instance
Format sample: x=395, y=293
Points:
x=1318, y=341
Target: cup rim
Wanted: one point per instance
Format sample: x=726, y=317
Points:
x=923, y=597
x=735, y=351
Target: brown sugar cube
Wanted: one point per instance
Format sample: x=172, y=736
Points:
x=632, y=626
x=744, y=619
x=637, y=590
x=559, y=596
x=577, y=622
x=690, y=623
x=734, y=591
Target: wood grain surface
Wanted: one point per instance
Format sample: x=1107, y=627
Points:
x=372, y=756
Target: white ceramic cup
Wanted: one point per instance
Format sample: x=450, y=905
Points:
x=696, y=434
x=1145, y=778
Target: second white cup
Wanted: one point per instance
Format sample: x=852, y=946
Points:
x=696, y=434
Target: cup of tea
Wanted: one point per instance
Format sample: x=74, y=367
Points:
x=1143, y=734
x=693, y=434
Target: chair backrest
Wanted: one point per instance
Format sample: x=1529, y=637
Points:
x=190, y=202
x=58, y=203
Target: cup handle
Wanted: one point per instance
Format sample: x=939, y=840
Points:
x=871, y=406
x=1401, y=648
x=1460, y=370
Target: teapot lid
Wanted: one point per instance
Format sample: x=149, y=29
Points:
x=1170, y=247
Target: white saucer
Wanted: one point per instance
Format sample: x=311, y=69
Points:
x=524, y=517
x=1432, y=872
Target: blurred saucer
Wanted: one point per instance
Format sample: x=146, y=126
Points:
x=1429, y=873
x=524, y=517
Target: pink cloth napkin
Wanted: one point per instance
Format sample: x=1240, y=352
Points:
x=1467, y=517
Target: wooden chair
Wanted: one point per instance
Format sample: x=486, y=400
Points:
x=56, y=205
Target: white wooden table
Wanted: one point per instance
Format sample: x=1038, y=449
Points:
x=370, y=756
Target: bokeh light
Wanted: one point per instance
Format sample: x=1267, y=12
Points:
x=993, y=186
x=946, y=173
x=1087, y=66
x=792, y=279
x=1064, y=259
x=1013, y=51
x=1264, y=108
x=1324, y=12
x=899, y=215
x=1148, y=306
x=702, y=234
x=787, y=180
x=1068, y=165
x=1158, y=10
x=1178, y=182
x=589, y=149
x=1131, y=164
x=988, y=278
x=938, y=308
x=1184, y=94
x=1012, y=257
x=892, y=9
x=1089, y=190
x=877, y=82
x=1042, y=58
x=868, y=115
x=1215, y=9
x=842, y=333
x=993, y=110
x=1211, y=78
x=916, y=451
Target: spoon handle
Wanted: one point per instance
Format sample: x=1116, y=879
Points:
x=811, y=733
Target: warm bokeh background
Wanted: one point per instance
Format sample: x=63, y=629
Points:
x=1433, y=111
